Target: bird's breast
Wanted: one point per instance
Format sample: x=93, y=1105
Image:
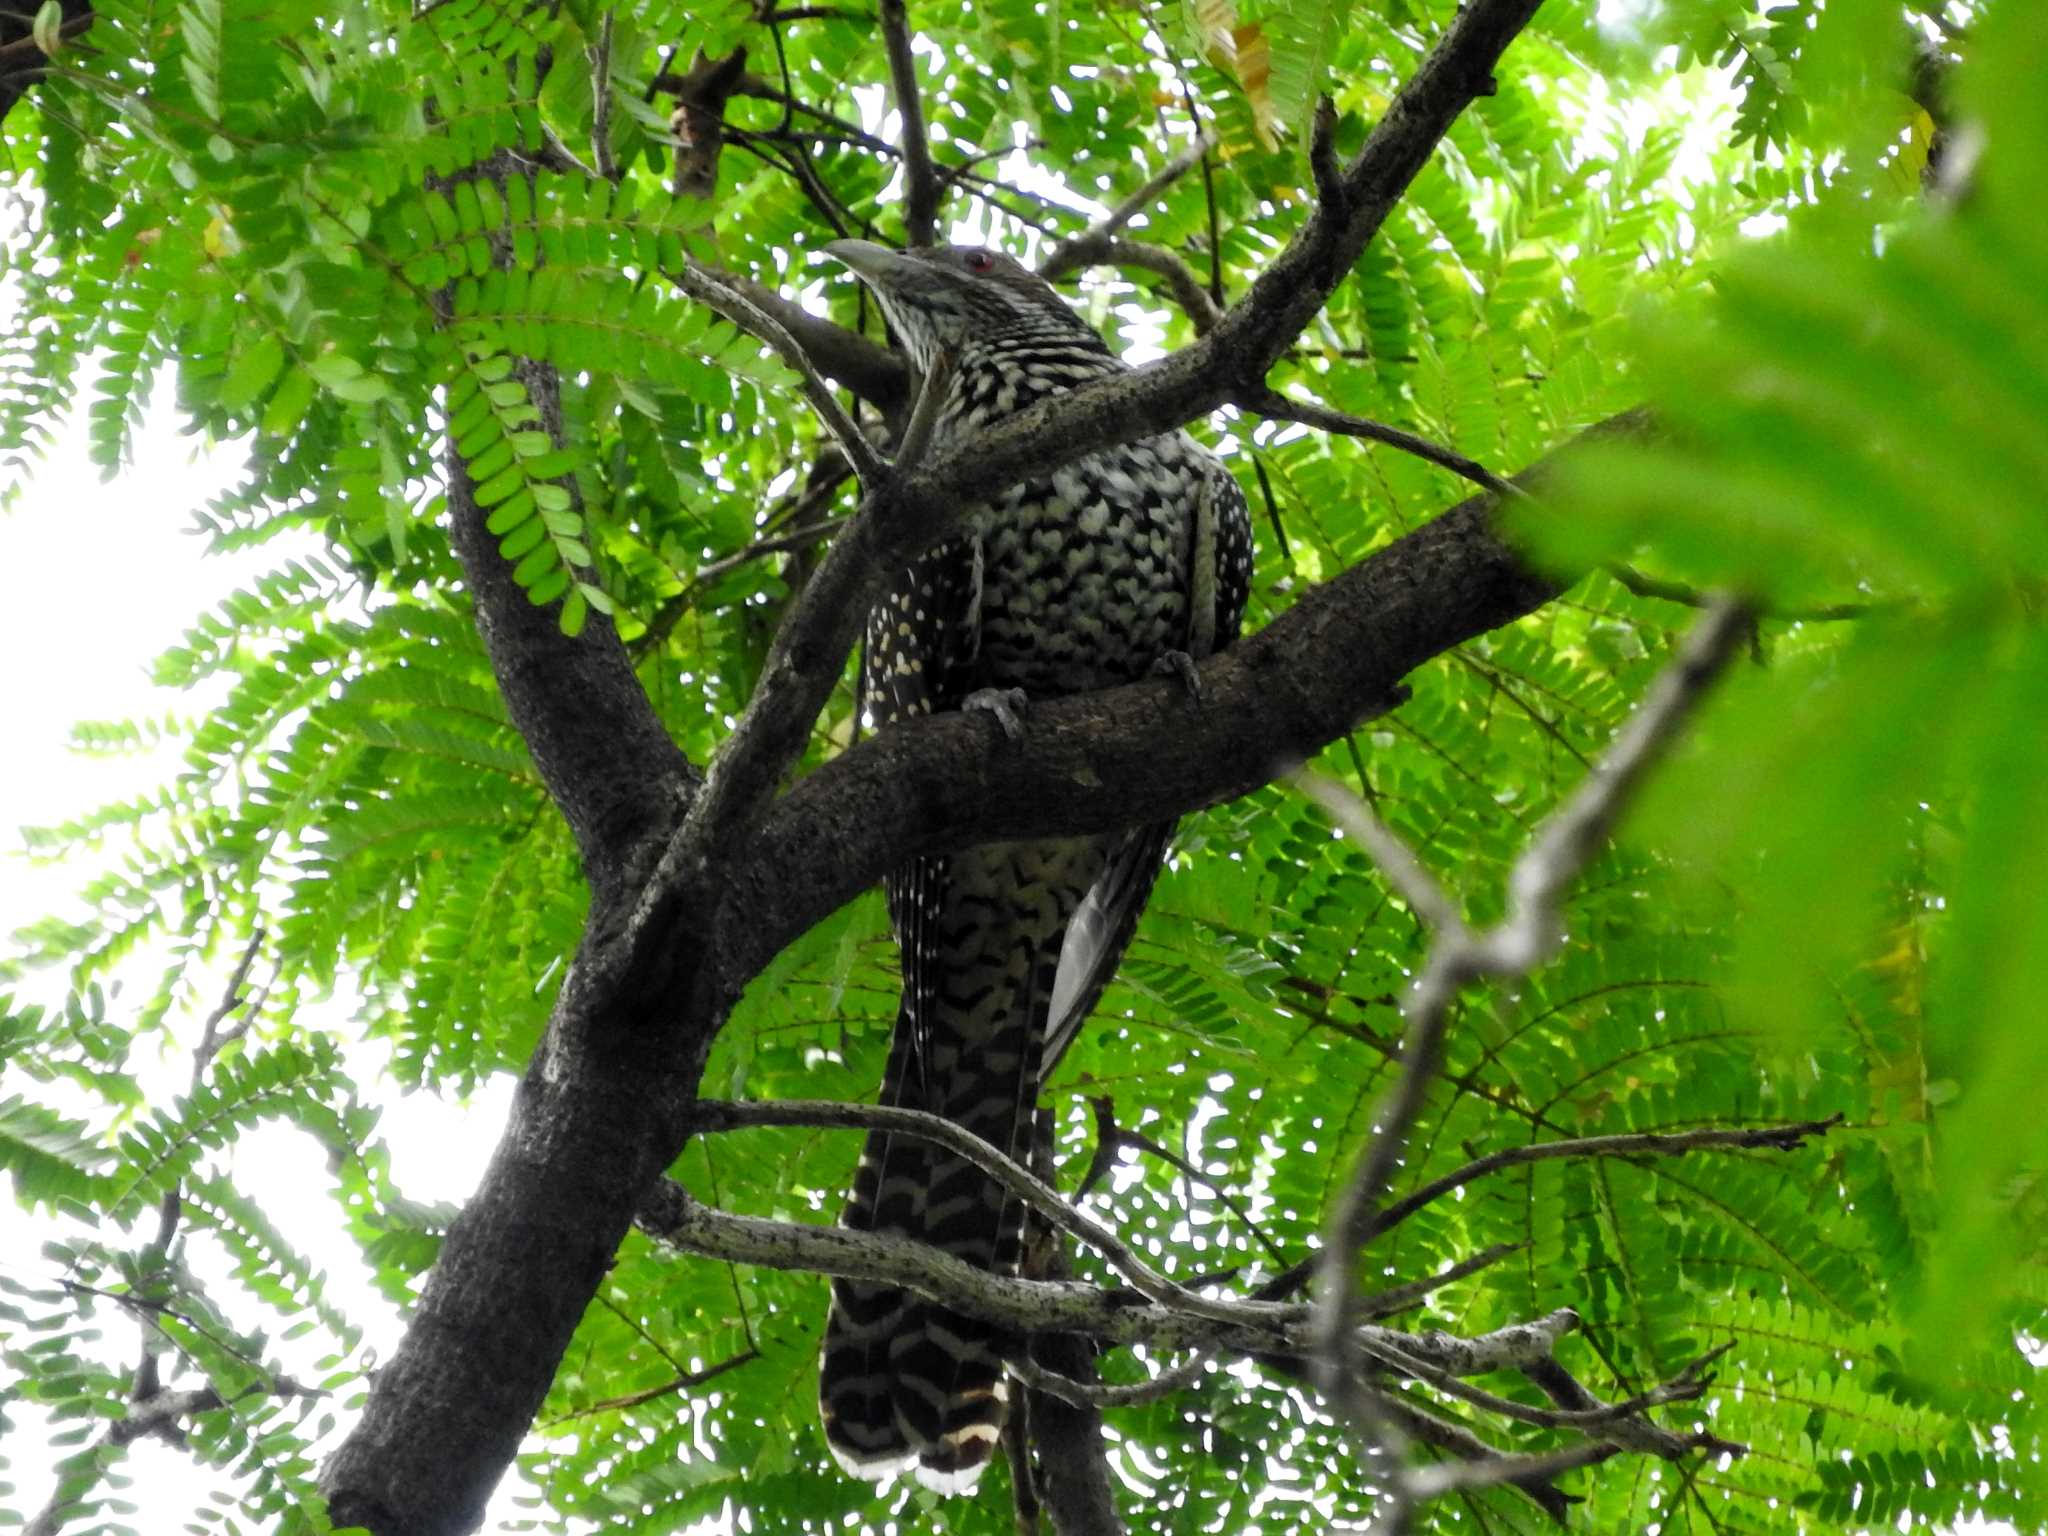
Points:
x=1084, y=580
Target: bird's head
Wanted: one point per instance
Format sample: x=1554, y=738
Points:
x=949, y=297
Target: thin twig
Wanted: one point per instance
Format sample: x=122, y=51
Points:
x=1089, y=1394
x=1776, y=1138
x=683, y=1383
x=714, y=1115
x=924, y=414
x=749, y=316
x=1085, y=248
x=1399, y=1298
x=1644, y=585
x=920, y=180
x=1202, y=311
x=1109, y=1137
x=814, y=13
x=1440, y=1478
x=1270, y=402
x=601, y=101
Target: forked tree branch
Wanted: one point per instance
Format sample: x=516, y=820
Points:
x=714, y=1115
x=1526, y=937
x=1235, y=1327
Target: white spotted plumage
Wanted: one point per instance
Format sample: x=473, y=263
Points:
x=1079, y=579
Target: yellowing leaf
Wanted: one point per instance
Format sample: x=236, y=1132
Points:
x=1255, y=73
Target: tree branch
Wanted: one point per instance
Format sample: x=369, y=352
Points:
x=1090, y=1394
x=718, y=1115
x=1081, y=250
x=870, y=370
x=1521, y=941
x=1271, y=403
x=1093, y=763
x=920, y=180
x=602, y=752
x=743, y=312
x=1181, y=280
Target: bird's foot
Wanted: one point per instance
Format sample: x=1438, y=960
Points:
x=1181, y=665
x=1006, y=704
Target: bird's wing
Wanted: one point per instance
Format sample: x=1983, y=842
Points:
x=1219, y=579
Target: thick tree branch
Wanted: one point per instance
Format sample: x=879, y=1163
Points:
x=1094, y=763
x=603, y=754
x=596, y=1107
x=1074, y=1478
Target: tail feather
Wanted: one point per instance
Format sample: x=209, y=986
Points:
x=904, y=1380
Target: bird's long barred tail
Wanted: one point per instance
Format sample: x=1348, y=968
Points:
x=903, y=1382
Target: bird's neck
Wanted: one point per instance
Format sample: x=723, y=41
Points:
x=1005, y=373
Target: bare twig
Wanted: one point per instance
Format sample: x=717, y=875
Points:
x=1434, y=1481
x=1399, y=1298
x=1776, y=1138
x=813, y=13
x=920, y=180
x=716, y=1115
x=924, y=414
x=1176, y=1379
x=1086, y=248
x=1186, y=287
x=742, y=311
x=212, y=1039
x=1459, y=1442
x=1110, y=1137
x=1270, y=402
x=1779, y=1138
x=1644, y=585
x=684, y=1383
x=1527, y=936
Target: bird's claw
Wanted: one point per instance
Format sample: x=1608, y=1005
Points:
x=1006, y=704
x=1181, y=665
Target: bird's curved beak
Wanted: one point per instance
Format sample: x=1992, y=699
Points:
x=874, y=264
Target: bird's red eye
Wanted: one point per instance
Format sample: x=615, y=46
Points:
x=981, y=261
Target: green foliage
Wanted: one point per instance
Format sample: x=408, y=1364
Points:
x=350, y=230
